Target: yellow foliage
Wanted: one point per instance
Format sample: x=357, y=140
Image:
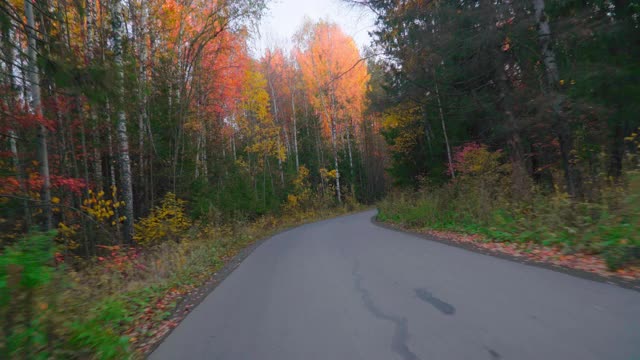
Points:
x=292, y=201
x=328, y=174
x=67, y=235
x=167, y=221
x=256, y=123
x=301, y=195
x=404, y=118
x=66, y=231
x=101, y=209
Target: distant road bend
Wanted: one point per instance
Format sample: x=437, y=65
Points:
x=346, y=289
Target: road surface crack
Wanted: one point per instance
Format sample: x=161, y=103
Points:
x=401, y=331
x=441, y=305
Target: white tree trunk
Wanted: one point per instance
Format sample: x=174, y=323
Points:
x=353, y=177
x=544, y=37
x=295, y=129
x=276, y=117
x=335, y=159
x=572, y=174
x=90, y=10
x=124, y=160
x=36, y=109
x=140, y=33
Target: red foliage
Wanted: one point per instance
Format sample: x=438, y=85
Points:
x=9, y=185
x=461, y=154
x=121, y=261
x=74, y=185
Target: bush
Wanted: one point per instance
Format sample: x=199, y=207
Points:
x=166, y=222
x=33, y=325
x=25, y=269
x=300, y=198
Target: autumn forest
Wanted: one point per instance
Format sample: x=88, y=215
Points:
x=144, y=143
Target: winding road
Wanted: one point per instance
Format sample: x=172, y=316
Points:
x=348, y=289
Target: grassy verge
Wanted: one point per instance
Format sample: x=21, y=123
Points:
x=117, y=306
x=608, y=228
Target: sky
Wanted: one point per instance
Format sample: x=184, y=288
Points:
x=285, y=17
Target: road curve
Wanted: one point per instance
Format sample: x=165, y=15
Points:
x=348, y=289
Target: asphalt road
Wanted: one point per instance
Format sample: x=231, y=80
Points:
x=348, y=289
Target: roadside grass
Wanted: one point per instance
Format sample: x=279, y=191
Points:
x=116, y=306
x=608, y=227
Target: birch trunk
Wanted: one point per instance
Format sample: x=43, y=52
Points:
x=295, y=130
x=353, y=177
x=90, y=10
x=572, y=175
x=124, y=160
x=335, y=159
x=140, y=33
x=36, y=108
x=334, y=141
x=112, y=168
x=277, y=120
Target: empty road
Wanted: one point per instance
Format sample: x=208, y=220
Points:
x=348, y=289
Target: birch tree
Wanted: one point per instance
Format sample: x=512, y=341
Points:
x=36, y=109
x=124, y=160
x=563, y=129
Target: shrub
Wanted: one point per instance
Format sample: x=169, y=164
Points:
x=301, y=196
x=166, y=222
x=25, y=268
x=33, y=327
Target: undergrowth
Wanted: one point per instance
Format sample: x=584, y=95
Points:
x=480, y=201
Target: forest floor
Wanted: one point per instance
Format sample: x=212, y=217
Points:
x=584, y=265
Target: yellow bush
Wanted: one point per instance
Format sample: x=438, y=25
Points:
x=301, y=195
x=166, y=222
x=101, y=209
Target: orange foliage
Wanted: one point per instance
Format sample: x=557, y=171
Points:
x=334, y=74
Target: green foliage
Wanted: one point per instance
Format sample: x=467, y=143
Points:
x=34, y=327
x=25, y=268
x=27, y=262
x=476, y=204
x=98, y=335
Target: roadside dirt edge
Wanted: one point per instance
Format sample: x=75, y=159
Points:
x=628, y=284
